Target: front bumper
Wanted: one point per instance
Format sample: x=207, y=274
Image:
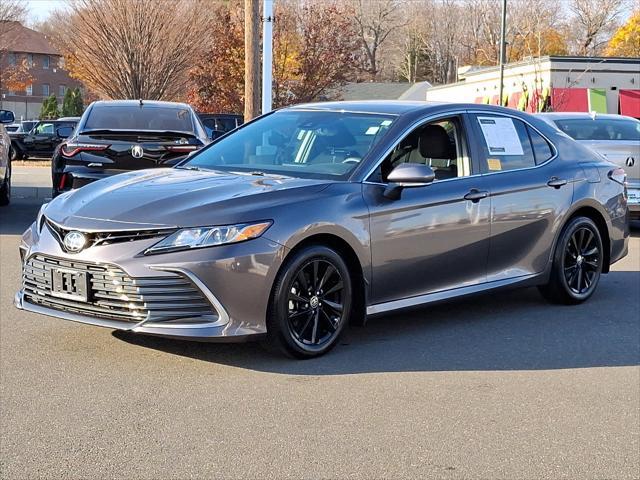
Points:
x=241, y=276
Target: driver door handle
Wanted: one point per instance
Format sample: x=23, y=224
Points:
x=556, y=182
x=476, y=195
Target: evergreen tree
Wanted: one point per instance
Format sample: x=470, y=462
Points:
x=78, y=102
x=49, y=108
x=68, y=103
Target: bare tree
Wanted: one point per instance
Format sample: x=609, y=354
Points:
x=132, y=48
x=593, y=22
x=11, y=11
x=375, y=21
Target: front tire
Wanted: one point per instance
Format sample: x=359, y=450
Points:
x=310, y=304
x=577, y=263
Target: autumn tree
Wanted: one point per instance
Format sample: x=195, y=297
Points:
x=593, y=22
x=14, y=72
x=315, y=49
x=132, y=48
x=375, y=21
x=626, y=41
x=324, y=45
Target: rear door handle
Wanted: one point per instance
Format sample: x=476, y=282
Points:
x=556, y=182
x=476, y=195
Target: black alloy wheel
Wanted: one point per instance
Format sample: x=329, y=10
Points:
x=577, y=264
x=581, y=260
x=311, y=303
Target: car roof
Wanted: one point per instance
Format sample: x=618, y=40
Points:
x=401, y=107
x=145, y=103
x=583, y=115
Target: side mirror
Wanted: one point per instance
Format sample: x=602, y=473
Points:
x=216, y=134
x=64, y=132
x=408, y=175
x=7, y=116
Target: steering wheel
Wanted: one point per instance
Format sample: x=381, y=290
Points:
x=352, y=160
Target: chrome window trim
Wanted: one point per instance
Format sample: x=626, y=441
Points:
x=553, y=146
x=433, y=117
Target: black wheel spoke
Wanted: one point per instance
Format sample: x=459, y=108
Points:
x=334, y=306
x=330, y=270
x=303, y=280
x=314, y=279
x=314, y=333
x=297, y=298
x=592, y=252
x=330, y=323
x=337, y=287
x=582, y=260
x=579, y=281
x=300, y=332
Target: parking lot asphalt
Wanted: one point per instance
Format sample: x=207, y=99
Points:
x=499, y=386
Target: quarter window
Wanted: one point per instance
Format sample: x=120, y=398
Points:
x=541, y=149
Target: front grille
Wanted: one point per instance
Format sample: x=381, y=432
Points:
x=108, y=238
x=113, y=295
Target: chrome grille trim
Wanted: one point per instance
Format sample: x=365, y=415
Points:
x=113, y=295
x=108, y=238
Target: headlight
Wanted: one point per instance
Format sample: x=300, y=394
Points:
x=188, y=238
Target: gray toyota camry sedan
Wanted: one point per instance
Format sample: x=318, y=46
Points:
x=320, y=215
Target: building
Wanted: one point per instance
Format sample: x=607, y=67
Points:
x=552, y=83
x=45, y=67
x=381, y=91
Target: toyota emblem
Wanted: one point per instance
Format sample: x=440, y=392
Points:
x=137, y=151
x=630, y=161
x=74, y=241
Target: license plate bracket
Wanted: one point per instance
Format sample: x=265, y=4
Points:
x=69, y=284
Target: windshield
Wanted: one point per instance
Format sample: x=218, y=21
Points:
x=298, y=143
x=136, y=117
x=600, y=128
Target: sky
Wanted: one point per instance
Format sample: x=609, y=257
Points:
x=41, y=9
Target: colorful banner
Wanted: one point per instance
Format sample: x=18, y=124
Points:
x=598, y=100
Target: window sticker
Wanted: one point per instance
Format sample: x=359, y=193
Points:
x=500, y=136
x=494, y=164
x=372, y=130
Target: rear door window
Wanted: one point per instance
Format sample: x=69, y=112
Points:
x=505, y=143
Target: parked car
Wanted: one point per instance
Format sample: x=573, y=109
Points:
x=217, y=124
x=6, y=117
x=24, y=126
x=318, y=215
x=42, y=140
x=616, y=137
x=122, y=135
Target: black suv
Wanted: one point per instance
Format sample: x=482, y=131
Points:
x=122, y=135
x=42, y=139
x=217, y=124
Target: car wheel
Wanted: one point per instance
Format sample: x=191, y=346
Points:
x=5, y=189
x=310, y=303
x=577, y=263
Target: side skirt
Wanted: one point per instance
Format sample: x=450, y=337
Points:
x=524, y=281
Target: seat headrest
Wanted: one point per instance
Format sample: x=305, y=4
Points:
x=434, y=142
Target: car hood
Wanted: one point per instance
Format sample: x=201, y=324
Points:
x=166, y=197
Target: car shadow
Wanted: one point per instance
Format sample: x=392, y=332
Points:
x=16, y=217
x=509, y=330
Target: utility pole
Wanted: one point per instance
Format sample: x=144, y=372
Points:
x=503, y=49
x=251, y=59
x=267, y=54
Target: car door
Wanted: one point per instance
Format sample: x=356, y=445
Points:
x=38, y=142
x=529, y=193
x=435, y=237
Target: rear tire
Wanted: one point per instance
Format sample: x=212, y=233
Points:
x=310, y=303
x=5, y=189
x=577, y=263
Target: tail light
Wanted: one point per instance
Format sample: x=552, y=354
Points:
x=71, y=149
x=618, y=175
x=181, y=148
